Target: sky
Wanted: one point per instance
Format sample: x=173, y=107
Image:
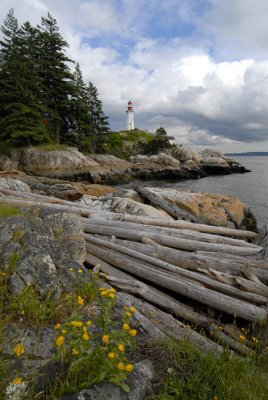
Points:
x=198, y=68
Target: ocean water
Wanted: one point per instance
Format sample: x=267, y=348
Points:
x=251, y=187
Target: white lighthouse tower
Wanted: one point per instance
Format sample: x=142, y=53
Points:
x=130, y=116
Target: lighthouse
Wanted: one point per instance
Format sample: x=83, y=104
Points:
x=130, y=116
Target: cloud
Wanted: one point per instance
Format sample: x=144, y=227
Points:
x=197, y=67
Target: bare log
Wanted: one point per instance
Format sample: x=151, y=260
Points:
x=176, y=233
x=185, y=244
x=194, y=276
x=131, y=285
x=186, y=288
x=60, y=207
x=191, y=261
x=176, y=224
x=171, y=209
x=253, y=287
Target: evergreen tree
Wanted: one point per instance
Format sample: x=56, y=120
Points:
x=80, y=131
x=55, y=77
x=98, y=120
x=21, y=115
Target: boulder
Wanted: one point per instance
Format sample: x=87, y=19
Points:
x=35, y=160
x=185, y=153
x=42, y=245
x=213, y=209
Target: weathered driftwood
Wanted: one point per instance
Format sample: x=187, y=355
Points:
x=176, y=233
x=129, y=284
x=185, y=244
x=194, y=276
x=42, y=199
x=175, y=329
x=253, y=287
x=171, y=209
x=183, y=286
x=191, y=261
x=28, y=203
x=175, y=224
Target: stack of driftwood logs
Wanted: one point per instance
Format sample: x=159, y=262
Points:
x=196, y=272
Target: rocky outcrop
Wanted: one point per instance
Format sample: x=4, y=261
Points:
x=69, y=164
x=43, y=245
x=213, y=209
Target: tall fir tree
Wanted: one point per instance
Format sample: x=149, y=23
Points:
x=55, y=77
x=21, y=114
x=98, y=120
x=80, y=131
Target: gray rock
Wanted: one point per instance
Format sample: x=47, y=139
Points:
x=139, y=381
x=14, y=184
x=37, y=342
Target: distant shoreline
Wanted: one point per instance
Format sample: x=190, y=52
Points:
x=251, y=153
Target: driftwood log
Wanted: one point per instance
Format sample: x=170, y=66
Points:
x=184, y=286
x=152, y=296
x=176, y=233
x=185, y=244
x=165, y=222
x=193, y=276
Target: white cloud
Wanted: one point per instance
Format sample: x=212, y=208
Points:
x=207, y=85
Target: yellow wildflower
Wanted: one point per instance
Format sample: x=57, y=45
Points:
x=126, y=327
x=254, y=339
x=75, y=352
x=78, y=324
x=86, y=336
x=129, y=367
x=88, y=323
x=63, y=331
x=221, y=328
x=71, y=269
x=80, y=271
x=3, y=273
x=111, y=355
x=111, y=290
x=132, y=309
x=60, y=341
x=42, y=365
x=57, y=326
x=80, y=300
x=121, y=366
x=19, y=349
x=151, y=312
x=22, y=312
x=121, y=347
x=128, y=314
x=188, y=326
x=111, y=295
x=101, y=288
x=103, y=274
x=103, y=293
x=105, y=338
x=243, y=329
x=133, y=332
x=17, y=381
x=242, y=337
x=126, y=308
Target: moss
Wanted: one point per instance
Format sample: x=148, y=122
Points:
x=8, y=211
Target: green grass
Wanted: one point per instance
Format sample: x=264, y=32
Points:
x=8, y=211
x=196, y=376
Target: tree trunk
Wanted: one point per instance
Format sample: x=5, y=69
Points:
x=185, y=244
x=181, y=285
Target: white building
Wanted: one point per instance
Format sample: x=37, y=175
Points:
x=130, y=116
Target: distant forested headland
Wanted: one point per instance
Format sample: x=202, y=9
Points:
x=250, y=153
